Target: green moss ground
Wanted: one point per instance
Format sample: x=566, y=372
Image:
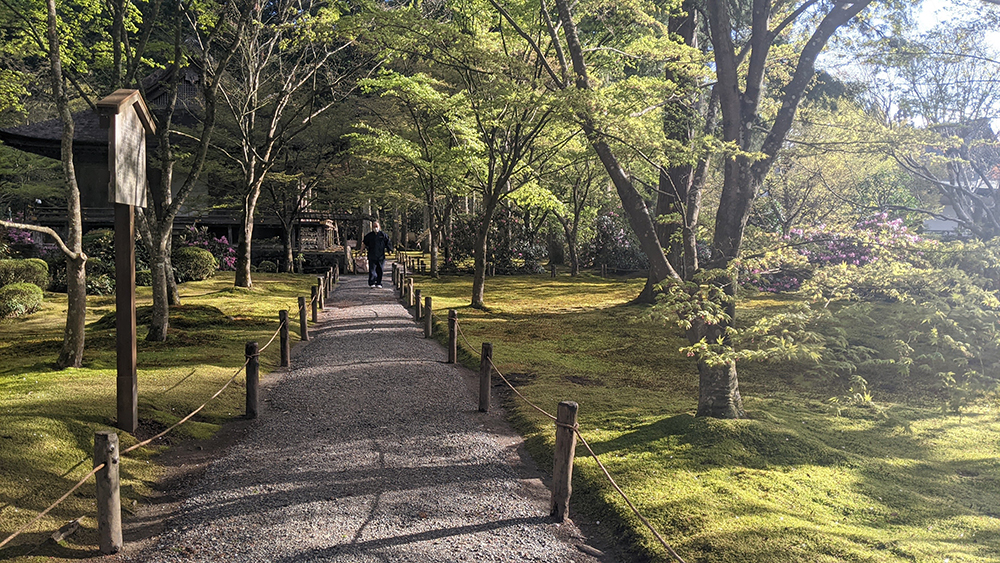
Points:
x=795, y=482
x=49, y=417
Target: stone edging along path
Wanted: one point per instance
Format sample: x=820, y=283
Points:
x=370, y=448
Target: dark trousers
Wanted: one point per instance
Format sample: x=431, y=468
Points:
x=375, y=270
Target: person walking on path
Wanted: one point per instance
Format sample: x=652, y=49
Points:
x=378, y=244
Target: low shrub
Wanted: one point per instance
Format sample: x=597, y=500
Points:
x=32, y=270
x=18, y=299
x=220, y=247
x=98, y=266
x=267, y=267
x=192, y=263
x=144, y=278
x=100, y=244
x=100, y=284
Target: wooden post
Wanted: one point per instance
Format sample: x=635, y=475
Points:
x=286, y=345
x=321, y=294
x=253, y=378
x=314, y=291
x=329, y=281
x=303, y=327
x=409, y=292
x=553, y=266
x=336, y=273
x=452, y=336
x=418, y=310
x=126, y=383
x=402, y=286
x=485, y=376
x=562, y=470
x=126, y=117
x=109, y=503
x=428, y=317
x=604, y=270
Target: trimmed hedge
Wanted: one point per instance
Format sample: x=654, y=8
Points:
x=18, y=299
x=33, y=270
x=267, y=267
x=193, y=264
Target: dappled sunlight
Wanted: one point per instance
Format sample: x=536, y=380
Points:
x=50, y=416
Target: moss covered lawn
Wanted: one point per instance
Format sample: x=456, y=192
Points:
x=901, y=480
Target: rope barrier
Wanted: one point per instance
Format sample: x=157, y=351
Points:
x=627, y=500
x=188, y=417
x=576, y=430
x=142, y=443
x=275, y=335
x=55, y=504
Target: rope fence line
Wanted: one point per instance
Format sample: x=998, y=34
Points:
x=189, y=416
x=576, y=430
x=55, y=504
x=146, y=442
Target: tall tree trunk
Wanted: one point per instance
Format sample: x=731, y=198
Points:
x=243, y=246
x=632, y=202
x=449, y=213
x=680, y=118
x=286, y=242
x=432, y=230
x=718, y=386
x=160, y=316
x=71, y=353
x=570, y=231
x=479, y=254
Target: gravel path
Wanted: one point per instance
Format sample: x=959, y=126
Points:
x=369, y=449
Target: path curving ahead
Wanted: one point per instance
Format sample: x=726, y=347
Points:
x=369, y=449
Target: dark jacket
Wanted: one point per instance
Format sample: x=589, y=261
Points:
x=377, y=244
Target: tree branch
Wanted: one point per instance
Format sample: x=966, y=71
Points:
x=39, y=229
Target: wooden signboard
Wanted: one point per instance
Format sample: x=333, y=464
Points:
x=128, y=121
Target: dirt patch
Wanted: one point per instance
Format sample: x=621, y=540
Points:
x=585, y=381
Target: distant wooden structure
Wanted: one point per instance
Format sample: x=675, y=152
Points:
x=315, y=231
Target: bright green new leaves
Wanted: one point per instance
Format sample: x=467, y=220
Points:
x=428, y=134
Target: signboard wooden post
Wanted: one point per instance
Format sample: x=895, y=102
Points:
x=128, y=120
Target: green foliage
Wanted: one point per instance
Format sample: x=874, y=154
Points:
x=143, y=278
x=32, y=270
x=19, y=299
x=267, y=266
x=701, y=308
x=193, y=264
x=100, y=244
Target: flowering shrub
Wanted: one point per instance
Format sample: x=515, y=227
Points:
x=17, y=236
x=803, y=252
x=224, y=252
x=615, y=244
x=19, y=243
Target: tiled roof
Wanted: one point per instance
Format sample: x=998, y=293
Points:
x=44, y=137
